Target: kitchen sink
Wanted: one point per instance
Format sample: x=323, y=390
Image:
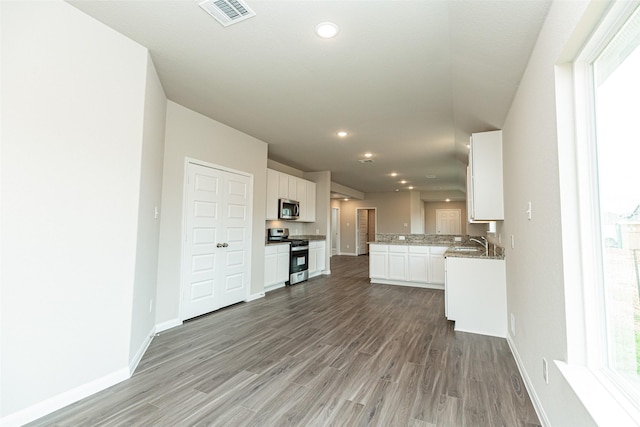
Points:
x=463, y=249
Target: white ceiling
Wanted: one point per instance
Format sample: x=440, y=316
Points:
x=409, y=80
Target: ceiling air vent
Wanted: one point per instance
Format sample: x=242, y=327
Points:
x=227, y=12
x=366, y=160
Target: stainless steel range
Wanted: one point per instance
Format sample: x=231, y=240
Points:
x=298, y=254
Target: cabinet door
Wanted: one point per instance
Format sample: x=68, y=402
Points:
x=311, y=202
x=301, y=196
x=436, y=265
x=292, y=184
x=418, y=259
x=485, y=167
x=398, y=262
x=322, y=247
x=378, y=261
x=313, y=257
x=282, y=274
x=283, y=185
x=273, y=181
x=270, y=265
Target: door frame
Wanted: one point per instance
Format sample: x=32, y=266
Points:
x=375, y=225
x=335, y=225
x=183, y=233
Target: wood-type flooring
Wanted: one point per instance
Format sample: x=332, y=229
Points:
x=334, y=351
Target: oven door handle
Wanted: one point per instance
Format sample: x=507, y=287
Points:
x=300, y=248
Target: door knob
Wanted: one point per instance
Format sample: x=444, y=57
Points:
x=219, y=245
x=226, y=245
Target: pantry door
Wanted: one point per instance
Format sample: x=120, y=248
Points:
x=217, y=239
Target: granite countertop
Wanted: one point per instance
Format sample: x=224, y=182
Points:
x=453, y=243
x=495, y=252
x=309, y=237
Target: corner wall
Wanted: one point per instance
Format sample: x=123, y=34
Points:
x=73, y=97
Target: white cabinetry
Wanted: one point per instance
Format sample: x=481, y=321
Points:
x=398, y=262
x=484, y=177
x=378, y=261
x=317, y=250
x=283, y=186
x=436, y=264
x=276, y=266
x=409, y=265
x=476, y=295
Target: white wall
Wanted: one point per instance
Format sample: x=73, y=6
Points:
x=73, y=95
x=144, y=292
x=189, y=134
x=534, y=267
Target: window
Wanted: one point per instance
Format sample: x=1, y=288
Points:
x=609, y=183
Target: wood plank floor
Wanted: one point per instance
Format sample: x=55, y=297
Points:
x=334, y=351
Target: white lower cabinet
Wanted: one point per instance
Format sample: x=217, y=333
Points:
x=276, y=266
x=409, y=265
x=378, y=261
x=317, y=249
x=476, y=295
x=398, y=262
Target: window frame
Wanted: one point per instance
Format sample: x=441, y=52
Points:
x=594, y=344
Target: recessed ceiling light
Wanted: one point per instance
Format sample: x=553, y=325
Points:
x=397, y=189
x=430, y=176
x=342, y=134
x=326, y=30
x=368, y=154
x=394, y=174
x=346, y=200
x=410, y=188
x=447, y=200
x=403, y=182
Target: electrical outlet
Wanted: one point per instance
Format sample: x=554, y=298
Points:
x=400, y=237
x=513, y=325
x=500, y=238
x=545, y=370
x=513, y=242
x=457, y=239
x=347, y=246
x=529, y=210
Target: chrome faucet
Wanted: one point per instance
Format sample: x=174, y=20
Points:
x=484, y=243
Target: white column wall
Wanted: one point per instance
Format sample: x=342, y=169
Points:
x=535, y=287
x=72, y=120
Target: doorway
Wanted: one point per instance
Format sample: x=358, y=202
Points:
x=365, y=229
x=216, y=263
x=335, y=231
x=448, y=221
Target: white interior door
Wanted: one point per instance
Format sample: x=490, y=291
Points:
x=217, y=228
x=448, y=221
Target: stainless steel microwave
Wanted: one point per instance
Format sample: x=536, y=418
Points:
x=288, y=209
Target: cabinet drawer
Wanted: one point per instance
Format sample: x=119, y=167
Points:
x=418, y=249
x=398, y=249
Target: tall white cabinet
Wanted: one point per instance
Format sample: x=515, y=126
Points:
x=485, y=201
x=284, y=186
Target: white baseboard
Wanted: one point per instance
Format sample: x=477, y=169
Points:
x=255, y=296
x=161, y=327
x=537, y=405
x=133, y=364
x=410, y=284
x=348, y=253
x=64, y=399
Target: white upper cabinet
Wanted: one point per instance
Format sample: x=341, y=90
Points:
x=484, y=177
x=283, y=186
